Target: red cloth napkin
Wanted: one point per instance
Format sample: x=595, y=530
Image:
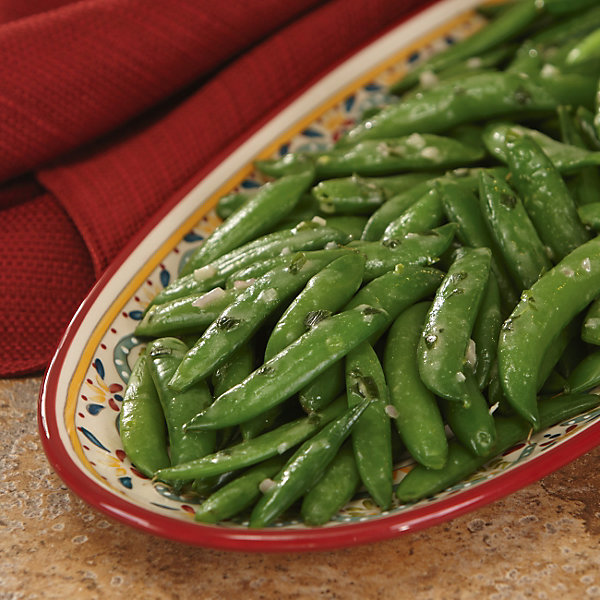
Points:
x=109, y=106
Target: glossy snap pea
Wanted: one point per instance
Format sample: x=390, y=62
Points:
x=350, y=195
x=422, y=482
x=290, y=370
x=270, y=204
x=323, y=389
x=544, y=310
x=334, y=490
x=229, y=203
x=142, y=424
x=590, y=215
x=507, y=220
x=590, y=330
x=371, y=435
x=442, y=351
x=236, y=324
x=304, y=468
x=545, y=196
x=352, y=226
x=586, y=375
x=164, y=356
x=586, y=123
x=419, y=421
x=239, y=494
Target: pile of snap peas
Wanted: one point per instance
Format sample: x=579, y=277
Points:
x=429, y=285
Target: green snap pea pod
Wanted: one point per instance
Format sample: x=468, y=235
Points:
x=486, y=331
x=371, y=435
x=239, y=494
x=422, y=482
x=572, y=27
x=545, y=196
x=542, y=313
x=270, y=204
x=451, y=103
x=462, y=207
x=236, y=324
x=164, y=356
x=565, y=157
x=325, y=293
x=142, y=423
x=352, y=226
x=505, y=27
x=590, y=215
x=586, y=123
x=323, y=389
x=585, y=50
x=418, y=421
x=333, y=491
x=471, y=422
x=414, y=249
x=253, y=451
x=305, y=210
x=229, y=203
x=586, y=375
x=182, y=316
x=443, y=354
x=511, y=227
x=528, y=59
x=590, y=330
x=290, y=370
x=304, y=468
x=425, y=214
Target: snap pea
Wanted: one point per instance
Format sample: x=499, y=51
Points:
x=544, y=310
x=506, y=218
x=323, y=389
x=590, y=331
x=351, y=225
x=371, y=435
x=142, y=424
x=333, y=490
x=590, y=215
x=566, y=29
x=164, y=356
x=349, y=195
x=425, y=214
x=418, y=421
x=586, y=375
x=586, y=49
x=290, y=370
x=239, y=494
x=236, y=324
x=254, y=217
x=528, y=59
x=507, y=25
x=421, y=482
x=442, y=351
x=545, y=196
x=586, y=123
x=304, y=468
x=229, y=203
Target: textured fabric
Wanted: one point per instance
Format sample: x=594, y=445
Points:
x=226, y=84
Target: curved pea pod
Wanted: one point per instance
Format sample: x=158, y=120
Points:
x=462, y=207
x=164, y=356
x=252, y=451
x=511, y=227
x=323, y=389
x=474, y=98
x=418, y=419
x=142, y=424
x=304, y=468
x=425, y=214
x=590, y=330
x=486, y=331
x=290, y=370
x=239, y=494
x=351, y=195
x=587, y=49
x=503, y=28
x=528, y=59
x=545, y=196
x=414, y=249
x=566, y=158
x=229, y=203
x=421, y=482
x=586, y=375
x=187, y=315
x=442, y=351
x=333, y=491
x=586, y=124
x=270, y=204
x=371, y=435
x=543, y=312
x=238, y=322
x=352, y=226
x=590, y=215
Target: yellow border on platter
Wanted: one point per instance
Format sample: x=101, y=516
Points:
x=116, y=307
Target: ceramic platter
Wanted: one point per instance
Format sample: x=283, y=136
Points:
x=83, y=389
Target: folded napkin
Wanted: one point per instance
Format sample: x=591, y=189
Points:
x=108, y=107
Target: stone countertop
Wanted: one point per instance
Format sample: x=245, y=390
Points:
x=542, y=542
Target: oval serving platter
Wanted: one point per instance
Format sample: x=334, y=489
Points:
x=83, y=387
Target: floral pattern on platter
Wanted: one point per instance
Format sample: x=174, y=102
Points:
x=100, y=396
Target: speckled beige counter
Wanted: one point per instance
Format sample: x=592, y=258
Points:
x=542, y=542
